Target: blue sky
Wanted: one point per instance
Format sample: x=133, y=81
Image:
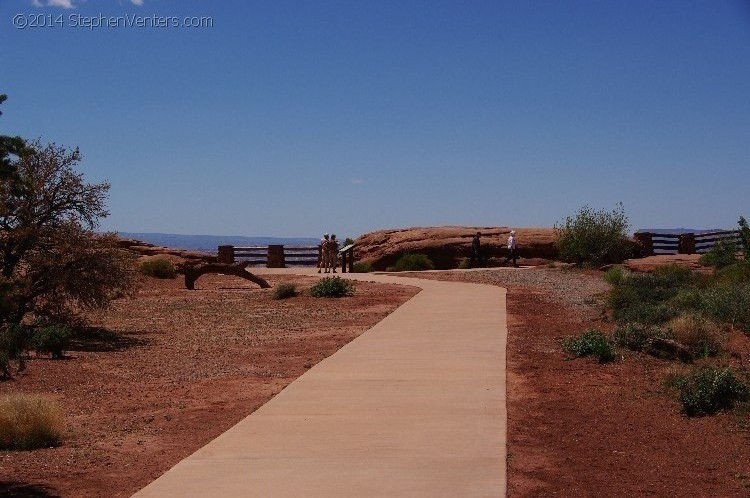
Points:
x=288, y=118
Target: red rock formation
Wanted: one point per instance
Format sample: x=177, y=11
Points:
x=446, y=246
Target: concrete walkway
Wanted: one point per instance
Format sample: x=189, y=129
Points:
x=413, y=407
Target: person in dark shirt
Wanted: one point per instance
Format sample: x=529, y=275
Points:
x=475, y=254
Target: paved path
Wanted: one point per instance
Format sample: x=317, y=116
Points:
x=413, y=407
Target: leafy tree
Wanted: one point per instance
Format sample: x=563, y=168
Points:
x=594, y=237
x=52, y=263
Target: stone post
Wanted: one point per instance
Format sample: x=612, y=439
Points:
x=226, y=254
x=276, y=256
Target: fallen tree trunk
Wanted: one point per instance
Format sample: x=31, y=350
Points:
x=236, y=269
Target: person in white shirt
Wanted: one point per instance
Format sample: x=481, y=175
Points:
x=511, y=248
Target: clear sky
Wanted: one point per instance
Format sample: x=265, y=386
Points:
x=287, y=118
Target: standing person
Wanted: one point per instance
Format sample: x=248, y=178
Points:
x=323, y=263
x=511, y=248
x=333, y=253
x=476, y=251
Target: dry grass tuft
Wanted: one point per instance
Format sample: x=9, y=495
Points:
x=700, y=335
x=29, y=421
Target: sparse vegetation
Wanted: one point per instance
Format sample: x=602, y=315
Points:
x=362, y=267
x=332, y=287
x=28, y=422
x=594, y=237
x=284, y=291
x=413, y=262
x=592, y=342
x=159, y=268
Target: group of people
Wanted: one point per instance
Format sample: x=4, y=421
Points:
x=329, y=259
x=475, y=254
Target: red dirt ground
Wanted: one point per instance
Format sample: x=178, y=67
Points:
x=170, y=370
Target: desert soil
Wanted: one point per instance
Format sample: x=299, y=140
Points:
x=580, y=429
x=160, y=375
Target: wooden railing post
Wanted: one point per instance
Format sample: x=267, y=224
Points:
x=687, y=243
x=646, y=242
x=226, y=255
x=276, y=256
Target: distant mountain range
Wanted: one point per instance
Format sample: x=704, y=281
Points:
x=212, y=242
x=678, y=231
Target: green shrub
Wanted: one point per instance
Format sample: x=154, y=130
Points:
x=362, y=267
x=592, y=342
x=158, y=268
x=28, y=422
x=722, y=254
x=728, y=303
x=637, y=336
x=413, y=262
x=594, y=237
x=463, y=264
x=52, y=340
x=332, y=287
x=284, y=291
x=706, y=390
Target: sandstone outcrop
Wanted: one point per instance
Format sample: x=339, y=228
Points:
x=446, y=246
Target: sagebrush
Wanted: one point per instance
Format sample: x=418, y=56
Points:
x=332, y=287
x=159, y=268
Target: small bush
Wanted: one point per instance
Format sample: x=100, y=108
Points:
x=594, y=237
x=707, y=390
x=28, y=422
x=52, y=340
x=463, y=264
x=728, y=303
x=590, y=343
x=637, y=336
x=158, y=268
x=701, y=336
x=413, y=262
x=332, y=287
x=721, y=255
x=362, y=267
x=284, y=291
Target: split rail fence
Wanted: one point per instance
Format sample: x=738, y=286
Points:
x=684, y=243
x=280, y=256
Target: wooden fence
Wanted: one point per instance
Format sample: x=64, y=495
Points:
x=280, y=256
x=685, y=243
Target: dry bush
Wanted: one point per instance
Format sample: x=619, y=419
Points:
x=29, y=421
x=700, y=335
